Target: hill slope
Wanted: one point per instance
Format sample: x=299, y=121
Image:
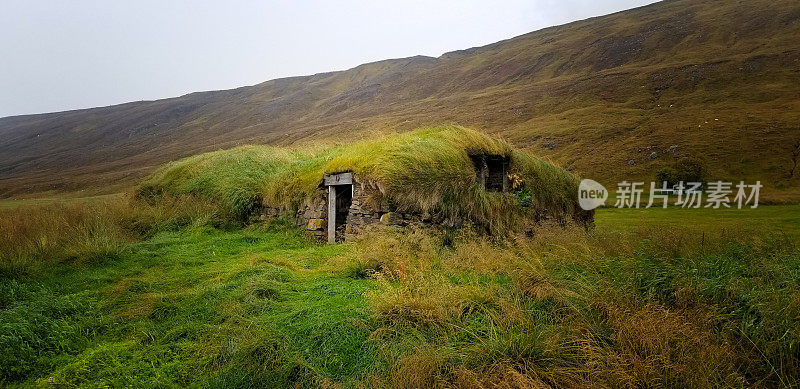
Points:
x=607, y=97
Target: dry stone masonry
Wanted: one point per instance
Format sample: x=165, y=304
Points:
x=344, y=204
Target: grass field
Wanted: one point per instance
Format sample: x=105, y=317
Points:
x=77, y=197
x=778, y=219
x=631, y=304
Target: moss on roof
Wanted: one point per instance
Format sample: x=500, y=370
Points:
x=425, y=170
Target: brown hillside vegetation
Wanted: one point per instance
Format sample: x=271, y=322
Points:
x=607, y=98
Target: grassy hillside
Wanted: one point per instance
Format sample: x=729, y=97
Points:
x=629, y=305
x=715, y=79
x=425, y=170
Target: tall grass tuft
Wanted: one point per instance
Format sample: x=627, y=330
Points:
x=37, y=236
x=653, y=308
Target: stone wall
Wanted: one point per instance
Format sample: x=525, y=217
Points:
x=360, y=213
x=316, y=209
x=363, y=211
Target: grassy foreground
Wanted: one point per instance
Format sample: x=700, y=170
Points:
x=184, y=303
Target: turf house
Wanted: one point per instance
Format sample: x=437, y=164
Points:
x=446, y=176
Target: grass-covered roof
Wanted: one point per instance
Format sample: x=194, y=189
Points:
x=426, y=170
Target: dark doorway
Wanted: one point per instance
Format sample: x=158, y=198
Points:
x=491, y=171
x=340, y=197
x=496, y=177
x=344, y=197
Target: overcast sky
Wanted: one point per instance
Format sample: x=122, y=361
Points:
x=57, y=55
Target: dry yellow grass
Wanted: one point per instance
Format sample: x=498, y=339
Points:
x=36, y=236
x=32, y=236
x=568, y=308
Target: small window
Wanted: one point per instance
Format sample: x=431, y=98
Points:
x=496, y=177
x=491, y=171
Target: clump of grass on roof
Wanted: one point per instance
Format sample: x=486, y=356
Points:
x=426, y=170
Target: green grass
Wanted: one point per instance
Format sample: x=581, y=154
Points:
x=200, y=305
x=778, y=219
x=266, y=306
